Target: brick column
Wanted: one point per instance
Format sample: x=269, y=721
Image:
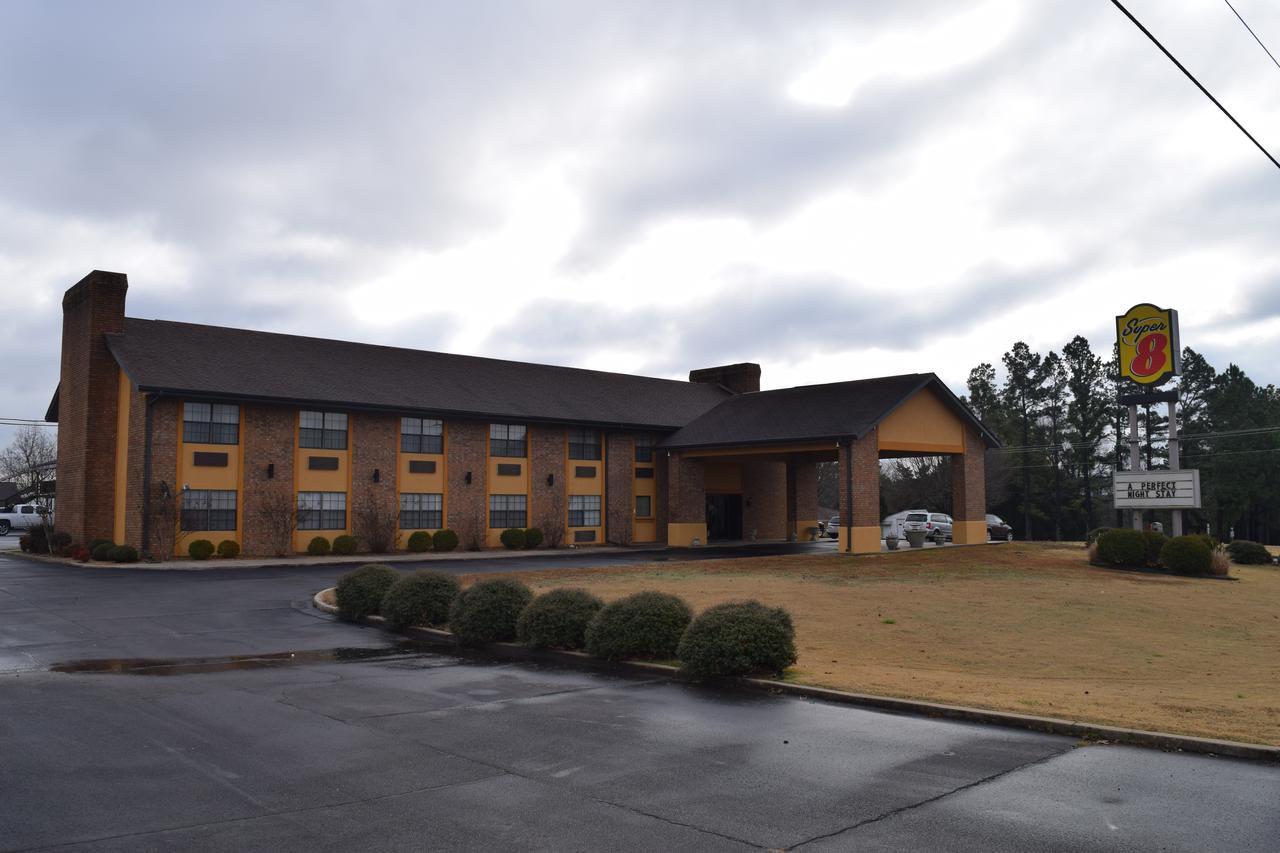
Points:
x=547, y=504
x=465, y=509
x=619, y=456
x=806, y=497
x=969, y=491
x=861, y=459
x=764, y=499
x=268, y=509
x=162, y=510
x=686, y=502
x=374, y=507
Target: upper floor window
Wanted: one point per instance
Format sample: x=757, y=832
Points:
x=210, y=423
x=507, y=440
x=644, y=448
x=421, y=435
x=324, y=430
x=209, y=509
x=584, y=444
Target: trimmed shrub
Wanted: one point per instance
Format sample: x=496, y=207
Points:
x=1154, y=541
x=419, y=541
x=1123, y=547
x=80, y=553
x=1187, y=555
x=360, y=593
x=124, y=554
x=93, y=546
x=642, y=625
x=103, y=552
x=345, y=545
x=558, y=619
x=513, y=538
x=533, y=537
x=37, y=540
x=1092, y=536
x=1246, y=553
x=60, y=541
x=200, y=549
x=421, y=598
x=738, y=638
x=318, y=547
x=444, y=540
x=228, y=548
x=24, y=542
x=486, y=611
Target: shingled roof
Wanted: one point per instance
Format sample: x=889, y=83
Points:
x=216, y=362
x=813, y=413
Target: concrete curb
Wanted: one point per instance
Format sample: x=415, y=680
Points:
x=1048, y=725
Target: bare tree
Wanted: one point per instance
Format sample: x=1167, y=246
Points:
x=374, y=523
x=277, y=513
x=29, y=462
x=553, y=523
x=164, y=525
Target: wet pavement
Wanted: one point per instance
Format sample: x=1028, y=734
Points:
x=216, y=711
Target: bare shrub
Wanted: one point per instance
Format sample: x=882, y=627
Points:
x=375, y=523
x=277, y=514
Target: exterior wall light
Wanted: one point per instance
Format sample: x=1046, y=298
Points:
x=271, y=470
x=468, y=478
x=551, y=479
x=377, y=476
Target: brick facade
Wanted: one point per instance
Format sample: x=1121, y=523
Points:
x=806, y=492
x=861, y=458
x=764, y=499
x=686, y=497
x=87, y=405
x=969, y=491
x=165, y=497
x=466, y=511
x=373, y=506
x=547, y=503
x=268, y=503
x=620, y=454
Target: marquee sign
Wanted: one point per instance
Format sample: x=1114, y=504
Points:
x=1157, y=489
x=1149, y=349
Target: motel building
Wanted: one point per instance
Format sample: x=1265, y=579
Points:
x=171, y=431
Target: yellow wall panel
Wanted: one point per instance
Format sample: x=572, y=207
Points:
x=923, y=424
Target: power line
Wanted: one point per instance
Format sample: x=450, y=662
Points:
x=1193, y=79
x=1251, y=32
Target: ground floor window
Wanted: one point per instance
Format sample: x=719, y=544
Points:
x=584, y=510
x=322, y=510
x=508, y=511
x=644, y=506
x=209, y=509
x=421, y=511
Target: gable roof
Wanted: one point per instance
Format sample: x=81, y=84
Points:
x=216, y=362
x=814, y=413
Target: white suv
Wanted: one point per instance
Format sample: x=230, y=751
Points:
x=936, y=525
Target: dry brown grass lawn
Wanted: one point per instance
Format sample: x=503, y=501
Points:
x=1024, y=627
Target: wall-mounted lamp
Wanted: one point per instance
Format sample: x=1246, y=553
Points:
x=468, y=478
x=551, y=479
x=271, y=470
x=185, y=487
x=748, y=501
x=377, y=476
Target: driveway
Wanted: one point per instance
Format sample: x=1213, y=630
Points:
x=219, y=712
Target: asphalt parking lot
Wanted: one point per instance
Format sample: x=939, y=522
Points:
x=144, y=710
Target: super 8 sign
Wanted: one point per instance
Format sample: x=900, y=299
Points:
x=1148, y=340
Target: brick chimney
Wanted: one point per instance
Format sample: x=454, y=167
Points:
x=87, y=399
x=738, y=378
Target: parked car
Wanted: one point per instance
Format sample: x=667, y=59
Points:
x=833, y=527
x=893, y=524
x=20, y=517
x=998, y=530
x=936, y=525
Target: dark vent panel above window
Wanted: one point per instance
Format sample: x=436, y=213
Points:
x=506, y=469
x=205, y=459
x=322, y=463
x=422, y=466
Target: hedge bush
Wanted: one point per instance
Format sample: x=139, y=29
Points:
x=642, y=625
x=37, y=540
x=228, y=549
x=487, y=611
x=558, y=619
x=738, y=638
x=60, y=541
x=124, y=554
x=103, y=552
x=360, y=593
x=444, y=540
x=1155, y=542
x=420, y=598
x=513, y=538
x=1092, y=536
x=79, y=553
x=533, y=537
x=345, y=545
x=419, y=541
x=1246, y=553
x=318, y=546
x=1187, y=555
x=1123, y=547
x=200, y=549
x=93, y=546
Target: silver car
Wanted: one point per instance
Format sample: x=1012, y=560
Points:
x=936, y=525
x=833, y=527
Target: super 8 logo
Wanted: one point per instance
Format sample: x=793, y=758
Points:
x=1148, y=340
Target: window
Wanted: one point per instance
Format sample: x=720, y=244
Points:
x=210, y=423
x=584, y=510
x=507, y=511
x=322, y=510
x=644, y=506
x=644, y=448
x=421, y=435
x=584, y=444
x=325, y=430
x=421, y=511
x=209, y=509
x=27, y=510
x=506, y=440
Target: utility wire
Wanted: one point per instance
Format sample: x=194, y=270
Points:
x=1192, y=78
x=1252, y=33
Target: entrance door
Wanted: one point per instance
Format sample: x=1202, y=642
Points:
x=724, y=517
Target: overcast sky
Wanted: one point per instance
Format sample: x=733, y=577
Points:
x=835, y=190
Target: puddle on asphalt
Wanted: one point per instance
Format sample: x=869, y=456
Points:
x=186, y=666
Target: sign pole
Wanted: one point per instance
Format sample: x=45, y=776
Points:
x=1135, y=458
x=1174, y=462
